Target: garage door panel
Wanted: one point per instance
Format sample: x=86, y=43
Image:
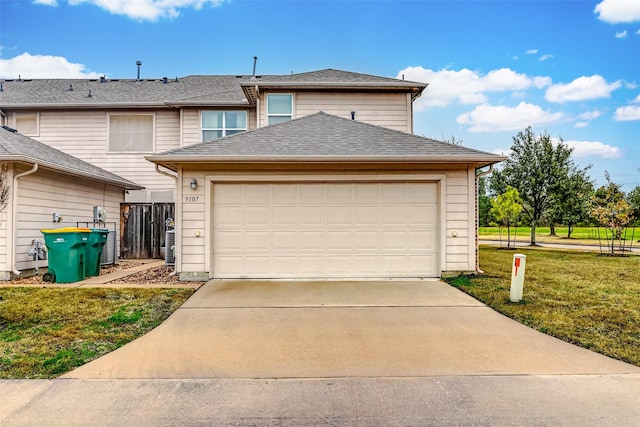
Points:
x=313, y=240
x=286, y=215
x=366, y=215
x=339, y=216
x=312, y=216
x=229, y=216
x=257, y=241
x=336, y=229
x=285, y=240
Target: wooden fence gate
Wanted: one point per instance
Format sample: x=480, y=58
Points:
x=142, y=229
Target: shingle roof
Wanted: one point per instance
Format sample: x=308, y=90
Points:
x=324, y=137
x=19, y=148
x=223, y=90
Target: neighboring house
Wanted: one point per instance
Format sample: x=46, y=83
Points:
x=114, y=123
x=408, y=201
x=49, y=189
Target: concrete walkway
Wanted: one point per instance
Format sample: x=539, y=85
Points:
x=335, y=353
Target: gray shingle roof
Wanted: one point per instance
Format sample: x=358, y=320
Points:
x=19, y=148
x=223, y=90
x=325, y=137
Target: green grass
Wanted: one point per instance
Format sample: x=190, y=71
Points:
x=589, y=233
x=582, y=298
x=46, y=332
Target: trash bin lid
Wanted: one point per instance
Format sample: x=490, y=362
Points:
x=67, y=230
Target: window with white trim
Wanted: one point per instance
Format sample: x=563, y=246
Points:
x=216, y=124
x=26, y=123
x=279, y=107
x=131, y=133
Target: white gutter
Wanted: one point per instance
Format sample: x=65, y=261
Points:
x=170, y=175
x=14, y=214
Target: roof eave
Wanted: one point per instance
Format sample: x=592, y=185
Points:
x=127, y=185
x=171, y=162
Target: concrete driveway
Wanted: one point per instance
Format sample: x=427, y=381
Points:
x=334, y=353
x=291, y=329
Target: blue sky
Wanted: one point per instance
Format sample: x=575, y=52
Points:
x=569, y=68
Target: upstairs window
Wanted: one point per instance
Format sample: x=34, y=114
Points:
x=27, y=123
x=279, y=107
x=131, y=133
x=216, y=124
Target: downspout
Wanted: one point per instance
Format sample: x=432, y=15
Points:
x=479, y=175
x=5, y=119
x=175, y=179
x=14, y=214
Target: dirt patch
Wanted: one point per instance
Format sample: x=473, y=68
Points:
x=158, y=275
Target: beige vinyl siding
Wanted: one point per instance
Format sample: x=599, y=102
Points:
x=191, y=124
x=458, y=215
x=390, y=110
x=43, y=193
x=84, y=134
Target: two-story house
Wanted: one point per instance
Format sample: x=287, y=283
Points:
x=304, y=175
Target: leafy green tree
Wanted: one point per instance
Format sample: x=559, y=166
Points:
x=610, y=209
x=536, y=168
x=506, y=208
x=570, y=203
x=633, y=198
x=484, y=203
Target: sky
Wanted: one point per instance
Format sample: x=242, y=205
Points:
x=570, y=69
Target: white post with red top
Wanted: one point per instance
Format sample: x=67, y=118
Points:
x=517, y=277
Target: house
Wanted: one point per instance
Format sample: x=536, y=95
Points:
x=49, y=189
x=116, y=124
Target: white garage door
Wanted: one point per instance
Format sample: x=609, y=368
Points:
x=318, y=230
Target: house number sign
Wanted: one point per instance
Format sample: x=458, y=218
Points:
x=191, y=199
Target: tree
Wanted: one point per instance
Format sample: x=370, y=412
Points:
x=536, y=168
x=4, y=187
x=506, y=208
x=633, y=198
x=484, y=203
x=611, y=210
x=570, y=203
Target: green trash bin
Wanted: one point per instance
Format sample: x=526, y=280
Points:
x=66, y=247
x=95, y=244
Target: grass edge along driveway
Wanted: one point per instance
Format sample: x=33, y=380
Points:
x=580, y=297
x=46, y=332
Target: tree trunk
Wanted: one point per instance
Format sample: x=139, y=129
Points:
x=552, y=229
x=533, y=233
x=569, y=231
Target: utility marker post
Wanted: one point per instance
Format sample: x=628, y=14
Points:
x=517, y=277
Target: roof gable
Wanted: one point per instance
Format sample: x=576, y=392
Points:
x=323, y=136
x=19, y=148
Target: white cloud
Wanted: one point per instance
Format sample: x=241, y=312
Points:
x=532, y=52
x=545, y=57
x=627, y=114
x=581, y=124
x=582, y=88
x=594, y=149
x=466, y=86
x=142, y=10
x=621, y=34
x=590, y=115
x=618, y=11
x=637, y=100
x=489, y=118
x=42, y=66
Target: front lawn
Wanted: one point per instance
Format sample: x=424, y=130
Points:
x=582, y=298
x=46, y=332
